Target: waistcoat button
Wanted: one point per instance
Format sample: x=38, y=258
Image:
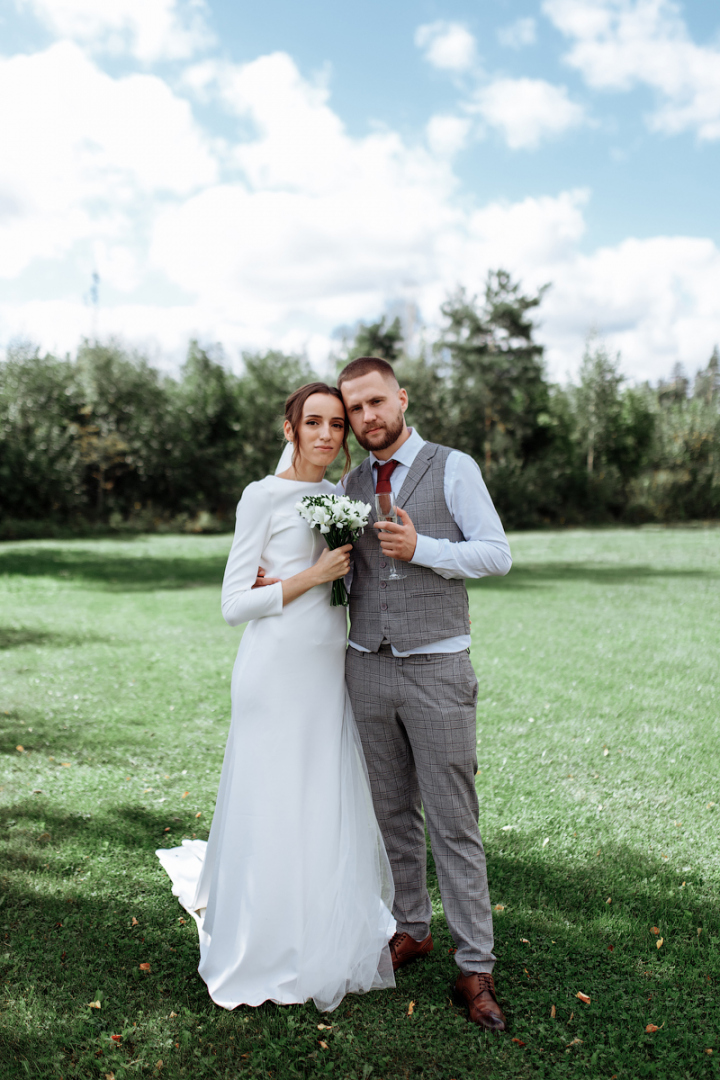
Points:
x=383, y=607
x=383, y=584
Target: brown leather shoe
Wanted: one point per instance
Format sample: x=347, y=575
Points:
x=476, y=991
x=405, y=949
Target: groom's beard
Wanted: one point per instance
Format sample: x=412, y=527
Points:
x=384, y=435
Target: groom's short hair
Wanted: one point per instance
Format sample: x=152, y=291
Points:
x=363, y=365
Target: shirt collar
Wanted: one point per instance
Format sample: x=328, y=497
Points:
x=407, y=452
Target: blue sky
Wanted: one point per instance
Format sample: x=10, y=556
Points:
x=260, y=175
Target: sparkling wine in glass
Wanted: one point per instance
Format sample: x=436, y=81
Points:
x=386, y=510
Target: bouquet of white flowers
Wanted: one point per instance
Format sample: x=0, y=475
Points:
x=341, y=521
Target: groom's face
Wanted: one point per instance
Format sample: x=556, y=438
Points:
x=376, y=408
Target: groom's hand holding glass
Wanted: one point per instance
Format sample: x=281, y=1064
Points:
x=398, y=540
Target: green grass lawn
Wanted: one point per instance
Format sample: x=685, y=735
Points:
x=599, y=750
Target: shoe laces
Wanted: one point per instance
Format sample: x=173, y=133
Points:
x=397, y=939
x=486, y=983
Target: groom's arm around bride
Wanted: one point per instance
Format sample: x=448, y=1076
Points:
x=413, y=689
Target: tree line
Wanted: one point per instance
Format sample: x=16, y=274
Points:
x=104, y=440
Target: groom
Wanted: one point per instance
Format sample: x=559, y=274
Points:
x=411, y=683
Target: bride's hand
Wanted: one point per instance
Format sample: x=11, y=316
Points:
x=333, y=564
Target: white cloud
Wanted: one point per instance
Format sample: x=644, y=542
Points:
x=518, y=34
x=447, y=45
x=526, y=111
x=319, y=215
x=654, y=300
x=620, y=44
x=446, y=135
x=83, y=153
x=307, y=227
x=149, y=29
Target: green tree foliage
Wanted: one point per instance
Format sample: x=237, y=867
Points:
x=382, y=339
x=268, y=379
x=106, y=437
x=119, y=425
x=40, y=460
x=494, y=371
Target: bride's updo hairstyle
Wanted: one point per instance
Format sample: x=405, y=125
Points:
x=295, y=405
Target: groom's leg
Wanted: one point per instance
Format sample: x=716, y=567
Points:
x=439, y=714
x=372, y=680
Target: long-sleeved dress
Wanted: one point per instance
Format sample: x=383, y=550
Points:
x=292, y=892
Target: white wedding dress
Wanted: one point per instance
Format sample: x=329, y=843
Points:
x=292, y=893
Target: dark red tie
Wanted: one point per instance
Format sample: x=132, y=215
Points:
x=384, y=472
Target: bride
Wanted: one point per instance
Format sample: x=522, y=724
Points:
x=292, y=893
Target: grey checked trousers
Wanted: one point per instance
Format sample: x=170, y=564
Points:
x=416, y=718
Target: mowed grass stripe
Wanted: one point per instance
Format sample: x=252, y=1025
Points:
x=598, y=752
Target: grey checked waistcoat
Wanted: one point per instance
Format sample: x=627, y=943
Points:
x=424, y=607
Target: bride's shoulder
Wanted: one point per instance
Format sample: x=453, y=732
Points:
x=257, y=494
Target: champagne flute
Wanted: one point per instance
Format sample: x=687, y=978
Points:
x=386, y=510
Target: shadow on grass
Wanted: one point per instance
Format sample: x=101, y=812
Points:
x=116, y=573
x=535, y=575
x=17, y=637
x=65, y=947
x=128, y=827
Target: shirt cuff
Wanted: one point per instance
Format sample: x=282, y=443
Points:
x=427, y=551
x=276, y=604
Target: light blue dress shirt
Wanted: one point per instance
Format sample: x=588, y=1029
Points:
x=483, y=552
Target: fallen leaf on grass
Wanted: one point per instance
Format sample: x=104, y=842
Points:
x=611, y=948
x=519, y=1042
x=167, y=830
x=658, y=943
x=109, y=1076
x=66, y=764
x=651, y=1028
x=181, y=920
x=583, y=997
x=526, y=972
x=134, y=922
x=324, y=1027
x=710, y=806
x=323, y=1045
x=93, y=1004
x=609, y=900
x=20, y=749
x=173, y=1015
x=605, y=752
x=159, y=1064
x=699, y=930
x=525, y=941
x=546, y=841
x=184, y=794
x=654, y=930
x=144, y=967
x=411, y=1008
x=571, y=1016
x=116, y=1038
x=575, y=1042
x=199, y=814
x=708, y=1051
x=499, y=907
x=553, y=1012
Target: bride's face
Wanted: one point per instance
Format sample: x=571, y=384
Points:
x=320, y=432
